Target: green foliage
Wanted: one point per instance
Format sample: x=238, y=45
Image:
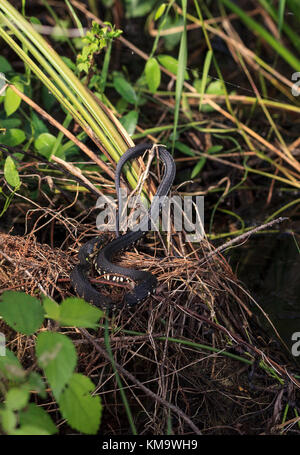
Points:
x=21, y=312
x=95, y=40
x=5, y=66
x=138, y=8
x=152, y=71
x=73, y=312
x=16, y=398
x=200, y=164
x=293, y=61
x=57, y=358
x=12, y=101
x=171, y=41
x=44, y=144
x=11, y=174
x=124, y=88
x=206, y=85
x=12, y=137
x=171, y=64
x=129, y=121
x=82, y=410
x=36, y=416
x=160, y=11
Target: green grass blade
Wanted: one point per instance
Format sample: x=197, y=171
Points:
x=294, y=37
x=293, y=61
x=281, y=10
x=118, y=379
x=204, y=79
x=182, y=61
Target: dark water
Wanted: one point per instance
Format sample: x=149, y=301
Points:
x=269, y=266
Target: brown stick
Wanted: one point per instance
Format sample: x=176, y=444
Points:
x=242, y=237
x=66, y=132
x=130, y=376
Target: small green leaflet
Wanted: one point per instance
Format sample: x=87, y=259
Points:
x=73, y=312
x=129, y=121
x=36, y=416
x=21, y=312
x=12, y=137
x=12, y=101
x=57, y=356
x=8, y=420
x=10, y=367
x=82, y=411
x=153, y=75
x=5, y=66
x=16, y=398
x=124, y=88
x=44, y=144
x=10, y=173
x=171, y=64
x=160, y=11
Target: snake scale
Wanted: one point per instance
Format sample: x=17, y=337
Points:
x=94, y=252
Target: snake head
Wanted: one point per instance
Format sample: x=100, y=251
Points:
x=90, y=249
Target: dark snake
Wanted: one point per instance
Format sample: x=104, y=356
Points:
x=92, y=253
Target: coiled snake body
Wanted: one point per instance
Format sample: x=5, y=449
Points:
x=91, y=252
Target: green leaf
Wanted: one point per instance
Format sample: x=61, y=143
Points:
x=215, y=149
x=57, y=356
x=10, y=123
x=16, y=398
x=125, y=89
x=198, y=168
x=82, y=411
x=37, y=384
x=204, y=80
x=29, y=430
x=152, y=71
x=215, y=88
x=12, y=137
x=8, y=420
x=38, y=125
x=138, y=8
x=170, y=41
x=10, y=173
x=35, y=20
x=52, y=309
x=160, y=11
x=198, y=84
x=48, y=98
x=202, y=160
x=171, y=64
x=69, y=63
x=185, y=149
x=129, y=121
x=76, y=312
x=73, y=312
x=36, y=416
x=44, y=144
x=21, y=312
x=12, y=101
x=10, y=367
x=5, y=66
x=121, y=105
